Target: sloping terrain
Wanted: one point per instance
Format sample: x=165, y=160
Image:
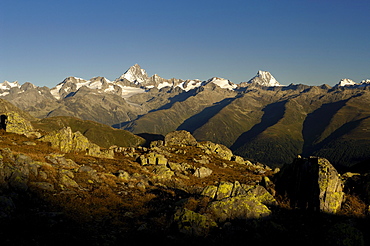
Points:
x=170, y=194
x=100, y=134
x=259, y=119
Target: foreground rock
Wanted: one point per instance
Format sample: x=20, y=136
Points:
x=180, y=138
x=312, y=184
x=228, y=202
x=68, y=141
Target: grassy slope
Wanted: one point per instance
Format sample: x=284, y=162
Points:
x=330, y=124
x=169, y=119
x=345, y=140
x=103, y=135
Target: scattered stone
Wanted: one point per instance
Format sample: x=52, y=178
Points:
x=123, y=175
x=163, y=173
x=61, y=161
x=202, y=172
x=152, y=159
x=66, y=179
x=30, y=143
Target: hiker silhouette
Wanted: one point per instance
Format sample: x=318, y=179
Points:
x=3, y=121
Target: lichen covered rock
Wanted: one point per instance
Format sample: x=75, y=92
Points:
x=239, y=207
x=192, y=223
x=18, y=124
x=312, y=184
x=220, y=150
x=180, y=138
x=68, y=141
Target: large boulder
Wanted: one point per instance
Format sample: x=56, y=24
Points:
x=18, y=124
x=68, y=141
x=312, y=184
x=238, y=207
x=180, y=138
x=193, y=224
x=218, y=149
x=238, y=201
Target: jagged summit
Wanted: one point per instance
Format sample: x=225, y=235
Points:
x=344, y=82
x=135, y=74
x=350, y=82
x=222, y=83
x=264, y=78
x=8, y=85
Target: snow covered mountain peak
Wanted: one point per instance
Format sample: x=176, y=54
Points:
x=350, y=82
x=344, y=82
x=223, y=83
x=135, y=74
x=264, y=78
x=6, y=85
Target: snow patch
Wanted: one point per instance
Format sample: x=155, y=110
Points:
x=345, y=82
x=128, y=91
x=223, y=83
x=164, y=84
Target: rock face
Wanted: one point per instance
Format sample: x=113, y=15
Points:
x=67, y=141
x=180, y=138
x=312, y=184
x=192, y=223
x=229, y=201
x=221, y=150
x=18, y=124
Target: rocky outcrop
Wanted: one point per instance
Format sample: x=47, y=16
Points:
x=68, y=141
x=312, y=184
x=163, y=193
x=180, y=138
x=18, y=124
x=228, y=202
x=221, y=150
x=193, y=224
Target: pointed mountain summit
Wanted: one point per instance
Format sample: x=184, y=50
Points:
x=264, y=78
x=135, y=74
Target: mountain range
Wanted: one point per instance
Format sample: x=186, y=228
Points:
x=259, y=119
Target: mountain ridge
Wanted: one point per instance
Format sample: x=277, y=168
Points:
x=252, y=118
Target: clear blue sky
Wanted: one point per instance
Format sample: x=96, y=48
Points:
x=298, y=41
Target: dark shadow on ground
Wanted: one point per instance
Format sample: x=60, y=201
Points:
x=198, y=120
x=316, y=123
x=272, y=114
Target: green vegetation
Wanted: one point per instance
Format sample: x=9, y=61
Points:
x=100, y=134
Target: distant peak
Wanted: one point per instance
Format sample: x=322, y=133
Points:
x=264, y=78
x=223, y=83
x=7, y=85
x=135, y=74
x=345, y=82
